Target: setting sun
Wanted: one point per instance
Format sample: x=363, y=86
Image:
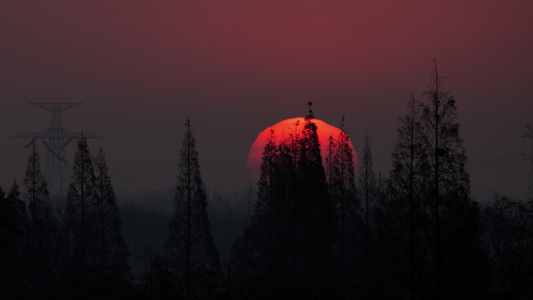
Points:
x=283, y=130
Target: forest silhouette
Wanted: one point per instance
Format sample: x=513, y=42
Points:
x=315, y=227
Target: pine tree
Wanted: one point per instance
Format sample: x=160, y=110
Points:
x=273, y=232
x=316, y=213
x=81, y=197
x=367, y=182
x=287, y=252
x=112, y=248
x=400, y=213
x=342, y=191
x=267, y=219
x=42, y=226
x=428, y=217
x=442, y=222
x=194, y=260
x=449, y=183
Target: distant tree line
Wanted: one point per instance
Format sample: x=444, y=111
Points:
x=75, y=252
x=318, y=233
x=317, y=230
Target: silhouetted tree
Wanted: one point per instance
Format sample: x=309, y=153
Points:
x=366, y=255
x=448, y=192
x=454, y=217
x=428, y=226
x=12, y=239
x=96, y=254
x=317, y=214
x=267, y=221
x=80, y=206
x=112, y=247
x=42, y=225
x=343, y=194
x=273, y=227
x=287, y=251
x=156, y=277
x=405, y=187
x=368, y=185
x=509, y=243
x=193, y=258
x=399, y=214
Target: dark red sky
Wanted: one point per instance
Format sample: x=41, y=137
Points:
x=236, y=67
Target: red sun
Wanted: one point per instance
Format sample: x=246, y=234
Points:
x=284, y=129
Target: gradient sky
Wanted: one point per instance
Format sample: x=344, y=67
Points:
x=237, y=67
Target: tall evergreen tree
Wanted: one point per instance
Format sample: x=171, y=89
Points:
x=454, y=216
x=42, y=226
x=273, y=232
x=428, y=216
x=112, y=248
x=194, y=260
x=266, y=219
x=400, y=215
x=317, y=213
x=287, y=252
x=81, y=197
x=343, y=194
x=96, y=254
x=368, y=185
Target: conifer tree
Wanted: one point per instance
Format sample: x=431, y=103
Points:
x=428, y=214
x=266, y=219
x=428, y=227
x=399, y=215
x=448, y=185
x=287, y=252
x=274, y=232
x=42, y=226
x=368, y=186
x=316, y=213
x=112, y=248
x=194, y=260
x=81, y=249
x=343, y=194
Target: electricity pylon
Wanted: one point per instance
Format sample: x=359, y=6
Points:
x=530, y=183
x=55, y=139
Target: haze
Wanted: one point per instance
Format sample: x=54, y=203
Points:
x=237, y=67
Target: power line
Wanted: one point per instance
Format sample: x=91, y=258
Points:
x=12, y=152
x=497, y=159
x=492, y=165
x=530, y=183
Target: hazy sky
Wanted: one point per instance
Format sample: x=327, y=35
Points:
x=236, y=67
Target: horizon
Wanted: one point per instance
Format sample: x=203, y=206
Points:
x=127, y=185
x=237, y=68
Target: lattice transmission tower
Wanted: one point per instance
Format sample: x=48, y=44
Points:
x=530, y=183
x=55, y=139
